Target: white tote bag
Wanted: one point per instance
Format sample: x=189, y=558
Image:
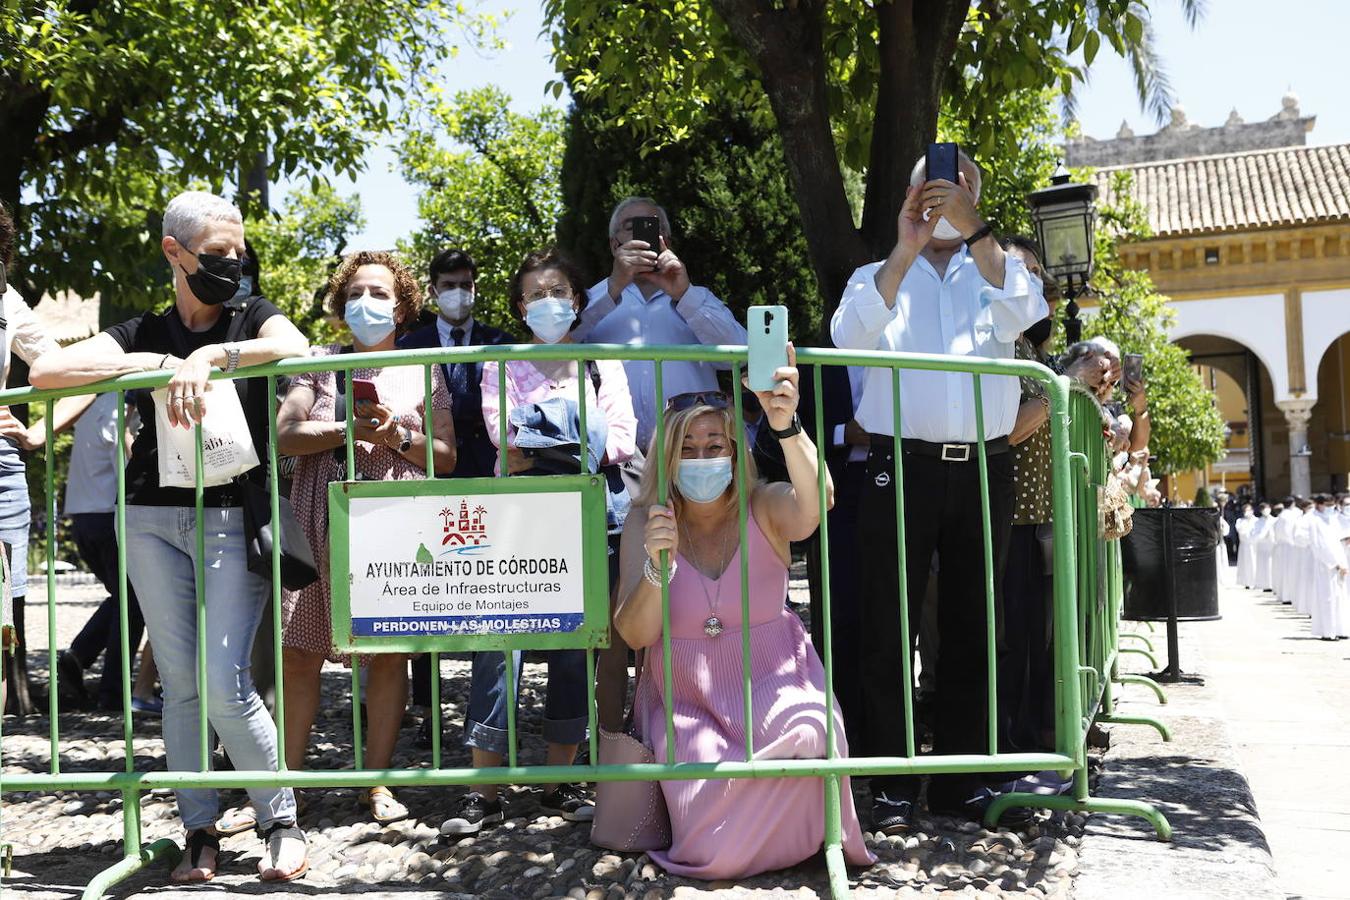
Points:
x=227, y=444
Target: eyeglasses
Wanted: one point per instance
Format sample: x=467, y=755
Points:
x=714, y=399
x=558, y=292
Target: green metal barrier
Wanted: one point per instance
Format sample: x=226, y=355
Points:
x=1085, y=612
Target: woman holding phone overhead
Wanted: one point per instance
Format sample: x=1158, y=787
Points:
x=372, y=293
x=730, y=829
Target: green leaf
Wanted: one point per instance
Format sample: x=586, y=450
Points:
x=1076, y=35
x=1090, y=47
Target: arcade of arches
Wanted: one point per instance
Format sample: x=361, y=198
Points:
x=1253, y=248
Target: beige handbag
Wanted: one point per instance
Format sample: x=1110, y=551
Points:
x=629, y=815
x=1116, y=515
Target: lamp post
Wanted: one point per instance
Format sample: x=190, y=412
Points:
x=1065, y=216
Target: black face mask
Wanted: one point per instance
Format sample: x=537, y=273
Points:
x=1040, y=332
x=216, y=279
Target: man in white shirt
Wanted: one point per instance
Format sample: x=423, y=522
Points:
x=947, y=287
x=649, y=299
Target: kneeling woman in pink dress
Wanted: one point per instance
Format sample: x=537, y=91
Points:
x=730, y=828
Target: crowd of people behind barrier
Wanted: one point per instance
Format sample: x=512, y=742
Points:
x=947, y=287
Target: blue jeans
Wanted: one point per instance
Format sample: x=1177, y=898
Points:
x=564, y=709
x=161, y=555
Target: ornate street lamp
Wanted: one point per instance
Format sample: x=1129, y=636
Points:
x=1065, y=216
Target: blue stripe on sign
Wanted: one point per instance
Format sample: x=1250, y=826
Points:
x=525, y=623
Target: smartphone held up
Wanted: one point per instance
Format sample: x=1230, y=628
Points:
x=767, y=327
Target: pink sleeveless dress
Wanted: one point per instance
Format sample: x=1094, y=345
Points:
x=737, y=828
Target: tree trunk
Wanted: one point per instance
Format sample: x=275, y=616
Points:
x=22, y=112
x=785, y=44
x=916, y=42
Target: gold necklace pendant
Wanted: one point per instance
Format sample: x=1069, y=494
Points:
x=712, y=627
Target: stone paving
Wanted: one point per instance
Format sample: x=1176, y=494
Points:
x=62, y=840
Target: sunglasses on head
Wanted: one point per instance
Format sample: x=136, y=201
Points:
x=681, y=402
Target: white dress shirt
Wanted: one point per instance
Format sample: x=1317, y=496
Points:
x=856, y=375
x=443, y=329
x=956, y=313
x=699, y=318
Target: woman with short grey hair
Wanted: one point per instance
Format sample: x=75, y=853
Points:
x=210, y=324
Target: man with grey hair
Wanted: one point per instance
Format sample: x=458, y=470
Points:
x=648, y=299
x=946, y=287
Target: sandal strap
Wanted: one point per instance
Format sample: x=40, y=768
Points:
x=274, y=828
x=198, y=841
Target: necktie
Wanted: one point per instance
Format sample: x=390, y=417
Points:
x=459, y=375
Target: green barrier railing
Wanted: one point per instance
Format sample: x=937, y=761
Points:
x=1085, y=611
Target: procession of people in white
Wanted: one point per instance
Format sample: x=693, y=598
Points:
x=1299, y=550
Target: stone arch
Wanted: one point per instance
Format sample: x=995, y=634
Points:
x=1256, y=323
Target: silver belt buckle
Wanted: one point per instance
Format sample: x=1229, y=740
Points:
x=956, y=453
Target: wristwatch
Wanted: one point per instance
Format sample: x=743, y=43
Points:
x=406, y=444
x=794, y=427
x=231, y=358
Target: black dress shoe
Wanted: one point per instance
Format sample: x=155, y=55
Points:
x=70, y=674
x=977, y=804
x=892, y=816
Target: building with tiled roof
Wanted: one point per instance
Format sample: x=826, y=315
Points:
x=1251, y=240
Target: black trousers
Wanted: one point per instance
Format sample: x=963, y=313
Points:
x=942, y=514
x=96, y=541
x=846, y=622
x=1026, y=665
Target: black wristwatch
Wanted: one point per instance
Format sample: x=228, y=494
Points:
x=794, y=427
x=406, y=444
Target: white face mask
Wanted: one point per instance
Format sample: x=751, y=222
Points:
x=455, y=304
x=945, y=231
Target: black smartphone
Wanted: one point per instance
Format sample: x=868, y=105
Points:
x=648, y=228
x=941, y=162
x=1132, y=368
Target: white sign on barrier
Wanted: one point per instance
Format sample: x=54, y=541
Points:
x=476, y=564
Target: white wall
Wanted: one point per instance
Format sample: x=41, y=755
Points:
x=1326, y=316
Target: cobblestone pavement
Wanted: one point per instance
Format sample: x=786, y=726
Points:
x=62, y=840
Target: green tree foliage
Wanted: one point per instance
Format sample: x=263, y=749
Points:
x=107, y=108
x=299, y=247
x=1187, y=427
x=727, y=191
x=489, y=185
x=734, y=213
x=849, y=85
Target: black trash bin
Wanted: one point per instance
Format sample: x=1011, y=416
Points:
x=1169, y=557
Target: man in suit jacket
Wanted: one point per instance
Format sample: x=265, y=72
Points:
x=846, y=446
x=451, y=285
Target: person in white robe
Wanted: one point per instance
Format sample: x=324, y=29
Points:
x=1246, y=557
x=1279, y=562
x=1328, y=589
x=1223, y=572
x=1301, y=559
x=1263, y=537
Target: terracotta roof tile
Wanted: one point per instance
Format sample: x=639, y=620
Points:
x=1239, y=191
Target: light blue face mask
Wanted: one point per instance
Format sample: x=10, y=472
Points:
x=550, y=319
x=370, y=319
x=703, y=480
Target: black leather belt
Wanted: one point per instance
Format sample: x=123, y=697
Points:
x=956, y=451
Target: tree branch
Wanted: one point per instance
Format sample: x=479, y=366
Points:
x=785, y=43
x=916, y=41
x=90, y=131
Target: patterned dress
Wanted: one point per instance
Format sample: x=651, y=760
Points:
x=1031, y=458
x=306, y=619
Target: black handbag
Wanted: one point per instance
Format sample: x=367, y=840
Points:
x=297, y=559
